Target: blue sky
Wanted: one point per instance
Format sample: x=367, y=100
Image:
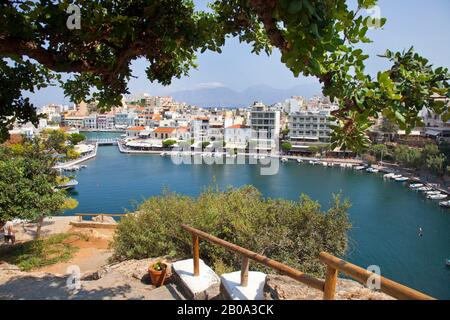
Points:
x=423, y=24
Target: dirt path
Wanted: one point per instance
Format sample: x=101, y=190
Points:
x=92, y=253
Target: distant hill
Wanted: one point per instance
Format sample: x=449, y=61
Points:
x=226, y=97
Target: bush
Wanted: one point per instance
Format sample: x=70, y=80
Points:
x=292, y=232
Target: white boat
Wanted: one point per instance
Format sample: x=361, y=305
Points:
x=424, y=189
x=284, y=160
x=313, y=162
x=439, y=196
x=388, y=175
x=432, y=192
x=401, y=179
x=162, y=154
x=360, y=168
x=445, y=204
x=68, y=185
x=416, y=185
x=372, y=170
x=447, y=262
x=396, y=176
x=299, y=161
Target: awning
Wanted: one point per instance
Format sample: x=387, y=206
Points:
x=433, y=133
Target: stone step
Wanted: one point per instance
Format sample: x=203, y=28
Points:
x=167, y=292
x=205, y=286
x=231, y=286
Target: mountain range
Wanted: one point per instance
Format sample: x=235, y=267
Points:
x=226, y=97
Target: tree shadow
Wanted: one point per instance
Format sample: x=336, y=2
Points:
x=51, y=287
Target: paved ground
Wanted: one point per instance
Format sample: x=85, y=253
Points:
x=128, y=280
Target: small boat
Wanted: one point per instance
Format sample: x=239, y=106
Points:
x=395, y=176
x=439, y=196
x=416, y=185
x=388, y=175
x=360, y=168
x=401, y=179
x=372, y=170
x=299, y=161
x=432, y=192
x=72, y=168
x=162, y=154
x=83, y=166
x=313, y=162
x=284, y=160
x=447, y=262
x=68, y=185
x=445, y=204
x=424, y=189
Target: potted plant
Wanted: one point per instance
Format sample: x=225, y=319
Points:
x=157, y=272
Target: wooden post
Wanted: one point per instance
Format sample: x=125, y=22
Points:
x=196, y=253
x=80, y=218
x=244, y=271
x=330, y=283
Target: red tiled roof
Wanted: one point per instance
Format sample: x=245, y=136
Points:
x=140, y=128
x=164, y=130
x=237, y=126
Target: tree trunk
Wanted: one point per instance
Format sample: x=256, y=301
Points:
x=39, y=227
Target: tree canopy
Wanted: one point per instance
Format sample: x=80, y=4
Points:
x=316, y=38
x=28, y=181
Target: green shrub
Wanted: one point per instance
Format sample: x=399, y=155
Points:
x=292, y=232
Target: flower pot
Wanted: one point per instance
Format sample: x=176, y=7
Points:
x=157, y=276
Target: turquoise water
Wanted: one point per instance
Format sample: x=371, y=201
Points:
x=385, y=215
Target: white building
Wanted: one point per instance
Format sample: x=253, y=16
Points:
x=237, y=136
x=310, y=126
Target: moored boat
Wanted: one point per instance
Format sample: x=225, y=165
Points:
x=424, y=189
x=416, y=185
x=401, y=179
x=439, y=196
x=284, y=160
x=432, y=192
x=445, y=204
x=299, y=161
x=360, y=168
x=68, y=185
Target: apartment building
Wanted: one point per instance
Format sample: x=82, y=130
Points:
x=264, y=122
x=310, y=126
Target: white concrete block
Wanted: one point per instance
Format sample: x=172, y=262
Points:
x=185, y=270
x=253, y=291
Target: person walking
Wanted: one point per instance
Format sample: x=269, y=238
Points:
x=9, y=233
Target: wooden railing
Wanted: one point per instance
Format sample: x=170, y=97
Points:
x=81, y=215
x=328, y=287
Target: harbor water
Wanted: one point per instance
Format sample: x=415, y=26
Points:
x=385, y=214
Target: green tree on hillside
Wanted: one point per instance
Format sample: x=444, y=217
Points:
x=292, y=232
x=315, y=38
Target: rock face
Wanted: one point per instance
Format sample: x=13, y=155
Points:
x=284, y=288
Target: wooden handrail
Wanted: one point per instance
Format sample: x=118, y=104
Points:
x=334, y=265
x=280, y=267
x=361, y=275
